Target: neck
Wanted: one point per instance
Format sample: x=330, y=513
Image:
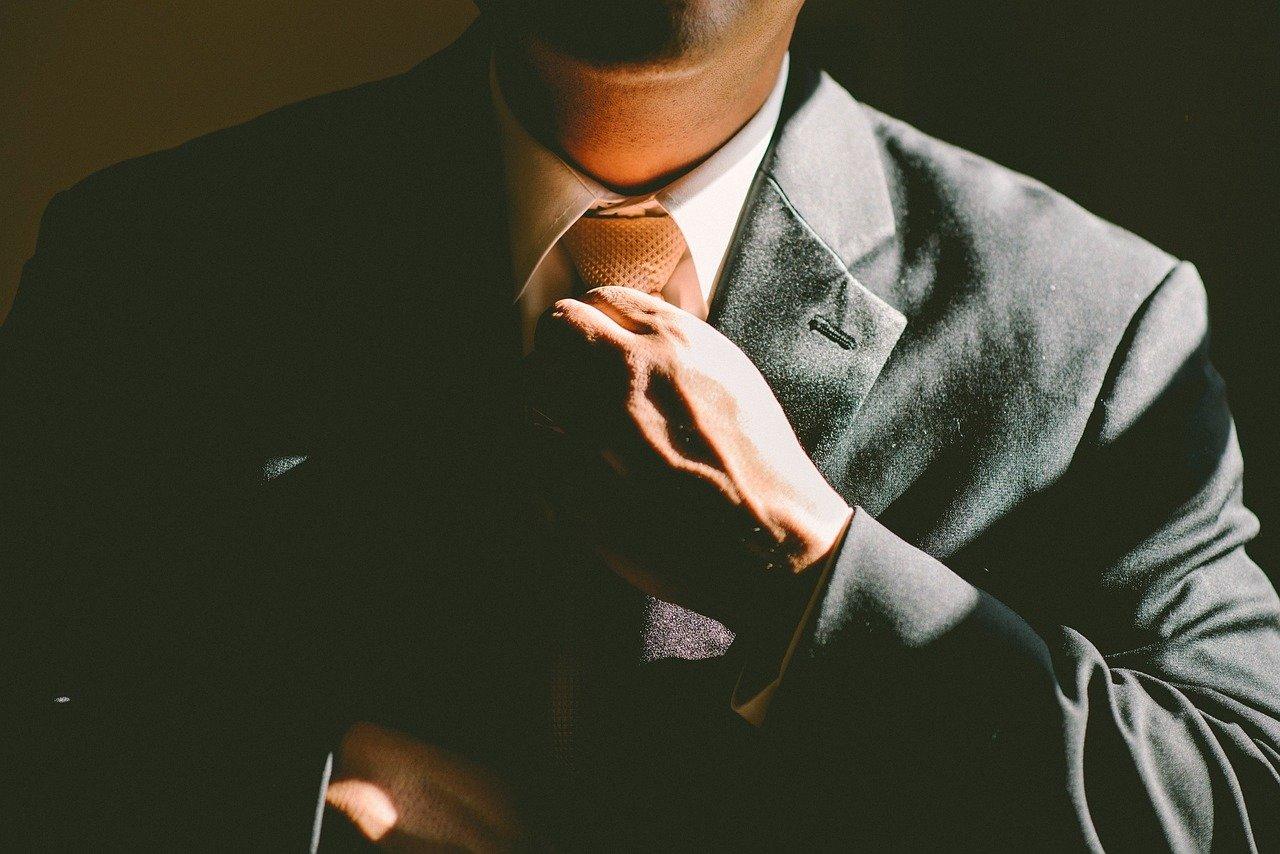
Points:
x=632, y=129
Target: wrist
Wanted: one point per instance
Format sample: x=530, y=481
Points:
x=782, y=580
x=820, y=534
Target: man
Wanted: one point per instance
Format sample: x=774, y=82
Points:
x=610, y=434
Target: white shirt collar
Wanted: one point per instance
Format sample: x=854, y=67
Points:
x=545, y=195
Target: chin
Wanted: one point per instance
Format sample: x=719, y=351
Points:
x=626, y=32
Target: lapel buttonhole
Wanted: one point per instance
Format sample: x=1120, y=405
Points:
x=823, y=325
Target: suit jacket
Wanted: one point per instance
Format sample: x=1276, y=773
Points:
x=262, y=476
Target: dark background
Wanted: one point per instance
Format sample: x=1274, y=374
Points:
x=1160, y=116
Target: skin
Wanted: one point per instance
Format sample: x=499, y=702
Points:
x=682, y=419
x=637, y=92
x=409, y=796
x=654, y=409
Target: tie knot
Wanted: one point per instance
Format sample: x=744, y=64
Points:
x=638, y=252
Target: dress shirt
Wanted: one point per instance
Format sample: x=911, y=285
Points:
x=546, y=195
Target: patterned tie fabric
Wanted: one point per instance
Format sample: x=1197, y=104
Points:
x=638, y=252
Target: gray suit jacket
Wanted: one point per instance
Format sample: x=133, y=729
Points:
x=262, y=476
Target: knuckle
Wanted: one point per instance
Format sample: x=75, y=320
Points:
x=676, y=334
x=638, y=363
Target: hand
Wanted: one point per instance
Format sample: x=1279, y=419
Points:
x=677, y=463
x=409, y=796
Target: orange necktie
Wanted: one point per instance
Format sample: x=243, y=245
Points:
x=638, y=252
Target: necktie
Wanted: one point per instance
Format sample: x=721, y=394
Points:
x=638, y=252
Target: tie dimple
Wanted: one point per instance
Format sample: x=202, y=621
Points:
x=638, y=252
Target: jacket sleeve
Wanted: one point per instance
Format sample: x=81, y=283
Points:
x=117, y=737
x=52, y=425
x=1144, y=715
x=47, y=496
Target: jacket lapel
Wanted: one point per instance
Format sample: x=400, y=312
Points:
x=787, y=297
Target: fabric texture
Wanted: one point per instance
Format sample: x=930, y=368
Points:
x=1042, y=631
x=639, y=252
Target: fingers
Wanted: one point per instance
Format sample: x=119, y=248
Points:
x=399, y=766
x=365, y=805
x=395, y=789
x=590, y=353
x=577, y=367
x=631, y=309
x=610, y=315
x=580, y=321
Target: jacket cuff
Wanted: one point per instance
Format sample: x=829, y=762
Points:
x=896, y=631
x=883, y=585
x=770, y=655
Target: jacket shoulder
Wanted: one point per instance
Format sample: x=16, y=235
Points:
x=1015, y=232
x=1043, y=289
x=170, y=197
x=287, y=171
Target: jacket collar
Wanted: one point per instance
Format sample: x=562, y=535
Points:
x=827, y=163
x=820, y=205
